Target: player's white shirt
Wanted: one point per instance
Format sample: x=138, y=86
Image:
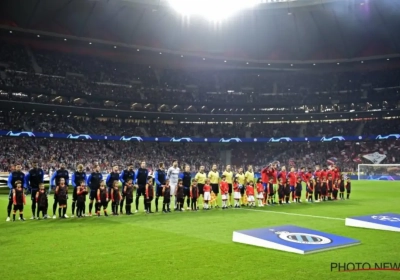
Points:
x=173, y=176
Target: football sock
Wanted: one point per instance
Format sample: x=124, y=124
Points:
x=54, y=207
x=348, y=196
x=14, y=216
x=33, y=209
x=21, y=215
x=126, y=209
x=59, y=212
x=90, y=207
x=156, y=202
x=121, y=204
x=9, y=208
x=137, y=202
x=73, y=207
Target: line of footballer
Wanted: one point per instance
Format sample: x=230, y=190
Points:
x=321, y=185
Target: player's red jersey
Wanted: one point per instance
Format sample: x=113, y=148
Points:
x=283, y=175
x=236, y=187
x=206, y=188
x=301, y=175
x=249, y=190
x=324, y=174
x=292, y=179
x=307, y=177
x=224, y=187
x=274, y=175
x=264, y=175
x=318, y=174
x=260, y=188
x=330, y=173
x=337, y=173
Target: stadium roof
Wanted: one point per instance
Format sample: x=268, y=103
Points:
x=300, y=31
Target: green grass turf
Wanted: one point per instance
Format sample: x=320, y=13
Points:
x=195, y=245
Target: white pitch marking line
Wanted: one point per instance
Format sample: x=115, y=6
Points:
x=294, y=214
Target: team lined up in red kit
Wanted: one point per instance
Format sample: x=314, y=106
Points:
x=321, y=185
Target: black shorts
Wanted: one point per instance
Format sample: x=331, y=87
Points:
x=42, y=208
x=281, y=194
x=62, y=202
x=324, y=191
x=348, y=189
x=186, y=191
x=310, y=190
x=215, y=188
x=200, y=186
x=298, y=193
x=19, y=207
x=242, y=189
x=93, y=195
x=104, y=204
x=287, y=190
x=167, y=200
x=129, y=200
x=74, y=194
x=341, y=189
x=159, y=191
x=230, y=188
x=271, y=190
x=33, y=194
x=141, y=190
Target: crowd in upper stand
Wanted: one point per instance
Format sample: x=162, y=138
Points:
x=39, y=122
x=80, y=74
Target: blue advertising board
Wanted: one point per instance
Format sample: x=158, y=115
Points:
x=292, y=239
x=385, y=221
x=132, y=138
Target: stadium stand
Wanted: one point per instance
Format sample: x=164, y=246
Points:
x=80, y=81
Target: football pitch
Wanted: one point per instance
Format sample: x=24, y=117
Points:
x=197, y=245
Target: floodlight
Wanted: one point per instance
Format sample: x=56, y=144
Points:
x=214, y=10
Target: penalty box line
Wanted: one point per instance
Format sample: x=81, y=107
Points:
x=294, y=214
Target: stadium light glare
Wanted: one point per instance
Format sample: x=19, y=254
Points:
x=214, y=10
